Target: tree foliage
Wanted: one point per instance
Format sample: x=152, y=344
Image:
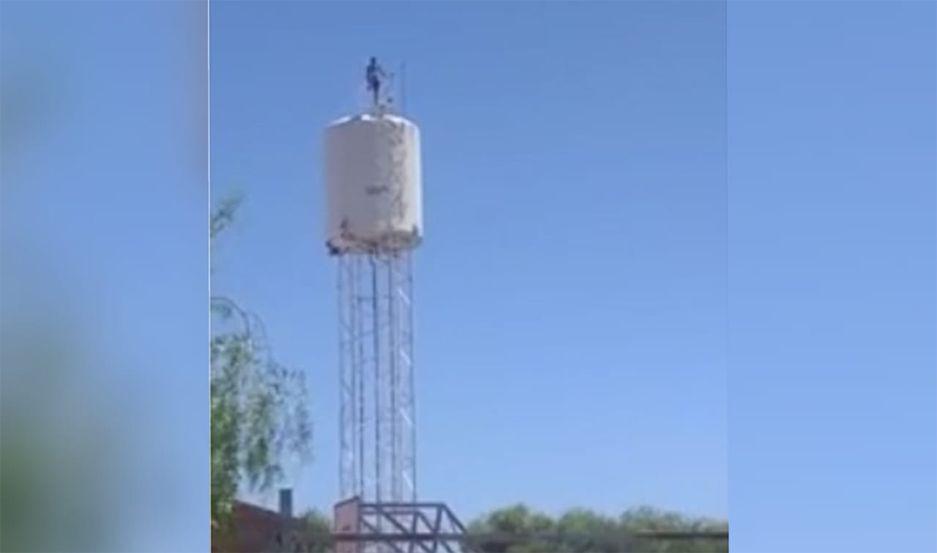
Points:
x=315, y=533
x=258, y=405
x=518, y=529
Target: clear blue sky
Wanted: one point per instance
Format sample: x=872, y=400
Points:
x=833, y=302
x=571, y=290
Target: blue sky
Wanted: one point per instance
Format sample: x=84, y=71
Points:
x=571, y=289
x=833, y=303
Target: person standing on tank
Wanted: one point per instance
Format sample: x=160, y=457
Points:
x=373, y=76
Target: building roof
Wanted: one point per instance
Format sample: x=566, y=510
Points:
x=255, y=529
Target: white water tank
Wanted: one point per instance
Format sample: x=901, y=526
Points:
x=373, y=184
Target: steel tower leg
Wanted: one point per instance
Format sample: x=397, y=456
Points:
x=377, y=433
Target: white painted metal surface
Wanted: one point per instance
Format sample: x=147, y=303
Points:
x=373, y=184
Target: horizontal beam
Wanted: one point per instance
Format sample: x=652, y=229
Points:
x=401, y=505
x=408, y=537
x=508, y=538
x=674, y=535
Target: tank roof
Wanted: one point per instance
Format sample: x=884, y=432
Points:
x=370, y=117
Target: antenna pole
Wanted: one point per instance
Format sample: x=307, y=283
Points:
x=403, y=88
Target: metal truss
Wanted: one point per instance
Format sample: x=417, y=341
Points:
x=399, y=527
x=377, y=434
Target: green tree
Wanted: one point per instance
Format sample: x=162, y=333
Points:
x=258, y=406
x=515, y=529
x=647, y=519
x=518, y=529
x=584, y=531
x=314, y=533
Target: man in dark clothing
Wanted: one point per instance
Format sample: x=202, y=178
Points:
x=373, y=76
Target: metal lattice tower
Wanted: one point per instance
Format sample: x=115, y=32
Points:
x=377, y=432
x=373, y=182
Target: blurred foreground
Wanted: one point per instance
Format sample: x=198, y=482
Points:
x=103, y=365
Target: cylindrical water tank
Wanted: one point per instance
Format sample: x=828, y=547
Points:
x=373, y=184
